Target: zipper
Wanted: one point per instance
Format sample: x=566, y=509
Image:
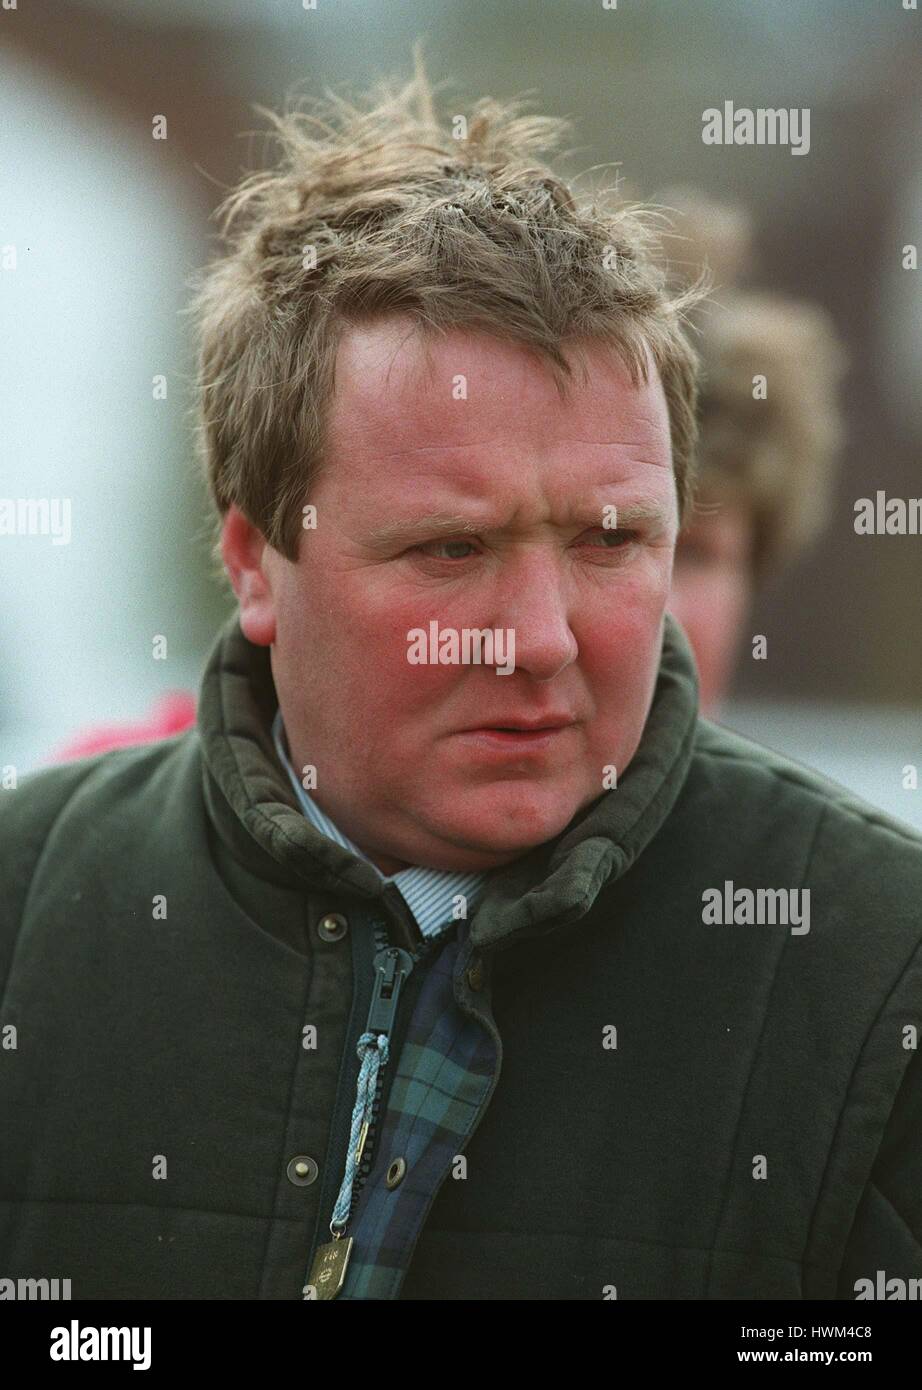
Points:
x=392, y=967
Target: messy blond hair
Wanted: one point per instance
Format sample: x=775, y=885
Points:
x=776, y=457
x=401, y=217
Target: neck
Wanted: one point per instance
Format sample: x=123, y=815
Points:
x=387, y=866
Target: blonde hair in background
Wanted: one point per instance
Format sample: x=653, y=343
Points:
x=776, y=456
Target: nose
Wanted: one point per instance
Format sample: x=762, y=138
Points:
x=535, y=604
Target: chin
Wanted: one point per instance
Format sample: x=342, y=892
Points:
x=516, y=829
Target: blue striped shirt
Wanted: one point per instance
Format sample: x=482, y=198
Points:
x=428, y=893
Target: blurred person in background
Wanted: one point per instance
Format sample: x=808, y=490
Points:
x=767, y=456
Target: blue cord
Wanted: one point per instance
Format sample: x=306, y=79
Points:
x=372, y=1052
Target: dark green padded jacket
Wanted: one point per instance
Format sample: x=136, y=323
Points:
x=683, y=1108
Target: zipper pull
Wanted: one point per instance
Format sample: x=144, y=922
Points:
x=392, y=966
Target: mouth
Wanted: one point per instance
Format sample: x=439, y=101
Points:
x=542, y=724
x=517, y=738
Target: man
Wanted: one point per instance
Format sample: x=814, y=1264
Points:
x=431, y=965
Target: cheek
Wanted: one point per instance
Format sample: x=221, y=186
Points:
x=620, y=636
x=371, y=642
x=619, y=661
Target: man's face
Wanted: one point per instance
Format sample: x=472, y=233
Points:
x=474, y=505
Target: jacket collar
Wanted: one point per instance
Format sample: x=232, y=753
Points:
x=254, y=809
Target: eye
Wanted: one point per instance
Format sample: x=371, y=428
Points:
x=427, y=548
x=617, y=538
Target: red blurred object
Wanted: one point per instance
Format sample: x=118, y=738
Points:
x=170, y=714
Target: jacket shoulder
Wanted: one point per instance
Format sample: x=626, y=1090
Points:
x=48, y=804
x=745, y=765
x=781, y=823
x=43, y=794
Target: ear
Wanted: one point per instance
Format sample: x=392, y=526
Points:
x=244, y=550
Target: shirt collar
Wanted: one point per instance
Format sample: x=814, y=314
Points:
x=430, y=894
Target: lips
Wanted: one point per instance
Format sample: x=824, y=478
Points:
x=504, y=742
x=521, y=725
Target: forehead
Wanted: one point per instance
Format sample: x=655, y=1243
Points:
x=399, y=391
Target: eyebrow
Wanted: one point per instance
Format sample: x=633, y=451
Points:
x=451, y=524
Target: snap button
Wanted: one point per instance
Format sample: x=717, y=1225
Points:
x=395, y=1174
x=302, y=1170
x=332, y=927
x=475, y=974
